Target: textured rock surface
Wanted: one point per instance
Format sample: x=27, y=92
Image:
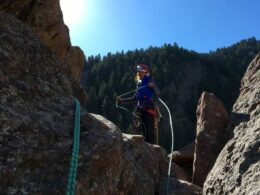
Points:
x=237, y=169
x=212, y=121
x=36, y=129
x=183, y=162
x=179, y=173
x=184, y=155
x=45, y=17
x=112, y=165
x=178, y=187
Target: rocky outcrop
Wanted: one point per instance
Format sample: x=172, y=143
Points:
x=36, y=129
x=237, y=169
x=178, y=187
x=212, y=122
x=182, y=162
x=45, y=17
x=185, y=155
x=179, y=173
x=112, y=163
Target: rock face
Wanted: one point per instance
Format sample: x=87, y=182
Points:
x=212, y=121
x=45, y=17
x=184, y=155
x=112, y=165
x=237, y=169
x=179, y=173
x=36, y=129
x=178, y=187
x=183, y=162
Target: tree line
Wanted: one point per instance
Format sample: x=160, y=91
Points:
x=171, y=66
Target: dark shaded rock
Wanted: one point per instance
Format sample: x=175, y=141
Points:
x=237, y=118
x=184, y=155
x=237, y=169
x=212, y=122
x=179, y=173
x=80, y=94
x=45, y=17
x=178, y=187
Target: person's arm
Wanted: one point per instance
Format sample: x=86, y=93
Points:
x=155, y=88
x=126, y=100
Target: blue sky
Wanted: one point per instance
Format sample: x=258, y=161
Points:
x=102, y=26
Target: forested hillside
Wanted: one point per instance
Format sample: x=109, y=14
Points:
x=181, y=76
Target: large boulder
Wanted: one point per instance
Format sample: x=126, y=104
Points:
x=36, y=129
x=182, y=162
x=45, y=17
x=185, y=155
x=212, y=122
x=180, y=173
x=237, y=169
x=174, y=186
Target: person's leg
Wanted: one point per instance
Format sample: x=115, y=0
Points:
x=137, y=122
x=148, y=123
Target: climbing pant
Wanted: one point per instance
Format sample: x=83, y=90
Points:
x=147, y=126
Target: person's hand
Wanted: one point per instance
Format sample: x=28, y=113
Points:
x=118, y=98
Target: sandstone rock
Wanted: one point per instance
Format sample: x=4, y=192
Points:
x=237, y=169
x=212, y=121
x=81, y=94
x=74, y=58
x=112, y=165
x=24, y=61
x=136, y=138
x=184, y=155
x=45, y=17
x=178, y=187
x=179, y=173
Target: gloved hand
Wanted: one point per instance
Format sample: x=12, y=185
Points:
x=119, y=99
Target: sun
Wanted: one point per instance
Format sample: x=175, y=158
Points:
x=73, y=11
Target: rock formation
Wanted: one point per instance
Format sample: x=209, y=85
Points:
x=212, y=122
x=178, y=187
x=183, y=162
x=184, y=155
x=36, y=129
x=45, y=17
x=237, y=169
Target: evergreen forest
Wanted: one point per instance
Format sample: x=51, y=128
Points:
x=181, y=75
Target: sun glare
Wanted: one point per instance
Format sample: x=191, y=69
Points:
x=73, y=11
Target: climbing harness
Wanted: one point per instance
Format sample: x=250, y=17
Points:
x=75, y=152
x=137, y=121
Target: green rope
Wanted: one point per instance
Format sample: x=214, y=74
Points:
x=75, y=152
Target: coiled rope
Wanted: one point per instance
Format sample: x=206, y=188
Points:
x=75, y=151
x=128, y=111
